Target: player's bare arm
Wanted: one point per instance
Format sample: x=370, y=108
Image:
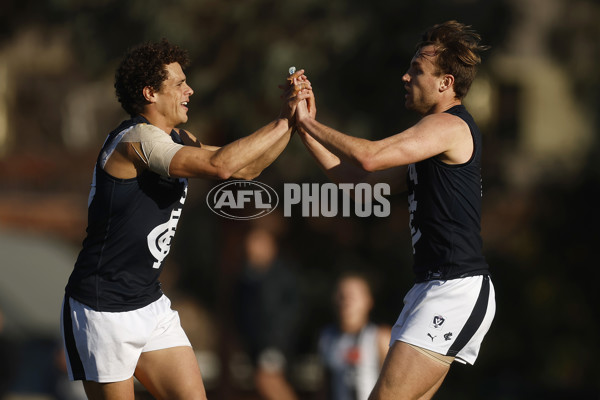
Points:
x=244, y=158
x=258, y=165
x=441, y=134
x=235, y=151
x=342, y=171
x=255, y=167
x=198, y=161
x=247, y=157
x=229, y=160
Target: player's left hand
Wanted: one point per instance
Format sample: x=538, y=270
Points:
x=296, y=89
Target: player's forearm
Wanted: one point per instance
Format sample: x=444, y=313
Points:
x=257, y=166
x=356, y=150
x=231, y=159
x=336, y=169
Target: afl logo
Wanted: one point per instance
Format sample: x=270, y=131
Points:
x=242, y=199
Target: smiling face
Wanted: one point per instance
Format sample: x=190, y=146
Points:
x=170, y=102
x=422, y=81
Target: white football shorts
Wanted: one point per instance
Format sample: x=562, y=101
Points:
x=105, y=346
x=448, y=317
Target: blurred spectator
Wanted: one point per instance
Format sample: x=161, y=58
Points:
x=268, y=312
x=353, y=349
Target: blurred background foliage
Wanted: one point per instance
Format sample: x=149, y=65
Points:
x=536, y=99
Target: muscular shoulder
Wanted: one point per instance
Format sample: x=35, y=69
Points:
x=443, y=123
x=453, y=131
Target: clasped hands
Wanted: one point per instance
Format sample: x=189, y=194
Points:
x=299, y=99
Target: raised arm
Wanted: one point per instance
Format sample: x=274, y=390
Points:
x=244, y=158
x=434, y=135
x=342, y=171
x=438, y=134
x=229, y=160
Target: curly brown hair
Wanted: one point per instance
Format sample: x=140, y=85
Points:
x=145, y=65
x=458, y=52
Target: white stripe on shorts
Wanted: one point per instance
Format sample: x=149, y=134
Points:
x=448, y=317
x=105, y=346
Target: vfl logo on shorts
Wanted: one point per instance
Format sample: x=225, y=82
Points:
x=437, y=322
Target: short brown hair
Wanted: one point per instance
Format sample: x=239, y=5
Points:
x=457, y=49
x=145, y=65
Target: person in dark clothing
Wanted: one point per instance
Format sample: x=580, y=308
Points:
x=451, y=306
x=268, y=313
x=116, y=321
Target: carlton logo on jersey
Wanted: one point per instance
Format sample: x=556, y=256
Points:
x=159, y=239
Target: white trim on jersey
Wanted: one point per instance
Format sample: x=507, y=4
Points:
x=104, y=156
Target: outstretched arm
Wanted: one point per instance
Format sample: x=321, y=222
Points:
x=253, y=169
x=443, y=135
x=342, y=171
x=228, y=161
x=434, y=135
x=244, y=158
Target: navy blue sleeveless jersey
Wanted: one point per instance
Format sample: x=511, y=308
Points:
x=131, y=223
x=445, y=213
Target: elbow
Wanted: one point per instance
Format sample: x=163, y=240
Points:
x=368, y=162
x=223, y=173
x=370, y=157
x=220, y=169
x=367, y=165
